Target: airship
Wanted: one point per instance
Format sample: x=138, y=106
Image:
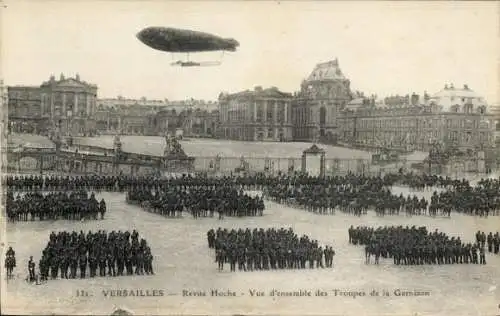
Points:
x=175, y=40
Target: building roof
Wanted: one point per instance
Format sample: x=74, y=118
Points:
x=327, y=71
x=464, y=92
x=355, y=104
x=450, y=96
x=68, y=82
x=258, y=92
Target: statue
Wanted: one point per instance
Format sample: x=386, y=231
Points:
x=174, y=156
x=168, y=144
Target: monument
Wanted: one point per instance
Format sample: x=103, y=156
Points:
x=174, y=157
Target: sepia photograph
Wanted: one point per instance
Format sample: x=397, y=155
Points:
x=250, y=158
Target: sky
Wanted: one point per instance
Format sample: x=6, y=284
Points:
x=382, y=47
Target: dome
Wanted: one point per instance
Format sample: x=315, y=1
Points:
x=451, y=97
x=327, y=71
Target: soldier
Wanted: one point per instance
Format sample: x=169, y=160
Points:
x=490, y=242
x=120, y=260
x=31, y=269
x=102, y=262
x=241, y=259
x=482, y=257
x=54, y=265
x=64, y=264
x=139, y=258
x=220, y=258
x=128, y=263
x=319, y=258
x=102, y=208
x=496, y=243
x=93, y=264
x=232, y=259
x=110, y=258
x=73, y=264
x=148, y=262
x=43, y=267
x=10, y=252
x=83, y=265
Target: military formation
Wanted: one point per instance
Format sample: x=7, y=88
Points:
x=199, y=201
x=354, y=194
x=257, y=181
x=70, y=255
x=415, y=246
x=36, y=205
x=270, y=249
x=492, y=240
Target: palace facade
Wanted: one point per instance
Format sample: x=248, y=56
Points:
x=68, y=104
x=452, y=117
x=316, y=108
x=258, y=115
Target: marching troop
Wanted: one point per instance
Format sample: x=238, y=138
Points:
x=53, y=206
x=415, y=246
x=100, y=253
x=200, y=201
x=269, y=249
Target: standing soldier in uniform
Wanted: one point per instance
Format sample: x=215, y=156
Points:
x=482, y=257
x=148, y=261
x=110, y=258
x=73, y=264
x=31, y=269
x=490, y=242
x=92, y=264
x=83, y=265
x=102, y=262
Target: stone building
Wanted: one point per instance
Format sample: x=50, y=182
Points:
x=315, y=109
x=258, y=115
x=24, y=110
x=68, y=103
x=452, y=117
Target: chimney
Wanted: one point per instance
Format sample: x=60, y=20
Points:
x=452, y=87
x=466, y=87
x=77, y=77
x=61, y=77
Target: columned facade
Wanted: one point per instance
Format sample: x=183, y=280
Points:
x=70, y=104
x=67, y=104
x=258, y=115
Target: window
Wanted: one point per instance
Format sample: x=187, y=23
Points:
x=322, y=116
x=260, y=112
x=270, y=112
x=281, y=112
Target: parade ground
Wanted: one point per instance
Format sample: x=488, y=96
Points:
x=183, y=262
x=198, y=147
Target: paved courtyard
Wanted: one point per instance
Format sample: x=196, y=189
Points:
x=184, y=262
x=155, y=145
